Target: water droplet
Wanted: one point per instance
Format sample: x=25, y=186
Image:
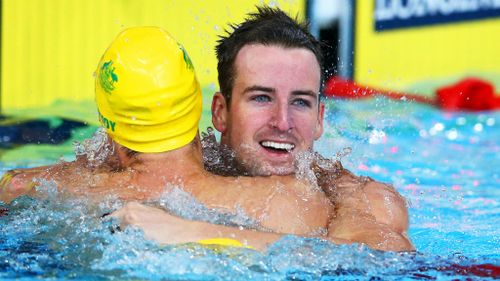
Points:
x=452, y=134
x=490, y=121
x=461, y=121
x=438, y=127
x=377, y=136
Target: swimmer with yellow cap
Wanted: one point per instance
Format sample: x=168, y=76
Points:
x=146, y=91
x=144, y=112
x=149, y=102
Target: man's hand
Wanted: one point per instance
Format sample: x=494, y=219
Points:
x=92, y=181
x=164, y=228
x=17, y=182
x=157, y=224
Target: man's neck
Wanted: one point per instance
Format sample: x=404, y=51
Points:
x=177, y=163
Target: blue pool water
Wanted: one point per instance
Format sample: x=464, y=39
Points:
x=445, y=164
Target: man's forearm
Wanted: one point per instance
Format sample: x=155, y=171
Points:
x=15, y=183
x=199, y=231
x=164, y=228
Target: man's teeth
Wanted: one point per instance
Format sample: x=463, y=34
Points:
x=278, y=145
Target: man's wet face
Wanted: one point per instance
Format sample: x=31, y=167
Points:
x=274, y=113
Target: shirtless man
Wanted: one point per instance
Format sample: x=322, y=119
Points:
x=149, y=102
x=269, y=113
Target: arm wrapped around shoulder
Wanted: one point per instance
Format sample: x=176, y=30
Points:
x=387, y=205
x=366, y=211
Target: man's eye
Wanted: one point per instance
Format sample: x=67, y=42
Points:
x=261, y=98
x=302, y=103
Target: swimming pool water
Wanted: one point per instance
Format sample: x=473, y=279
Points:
x=445, y=164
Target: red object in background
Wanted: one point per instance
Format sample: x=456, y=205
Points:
x=469, y=94
x=342, y=88
x=3, y=212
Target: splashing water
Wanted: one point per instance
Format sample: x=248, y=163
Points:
x=450, y=183
x=183, y=204
x=96, y=149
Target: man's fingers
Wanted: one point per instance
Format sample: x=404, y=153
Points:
x=132, y=214
x=112, y=225
x=6, y=178
x=122, y=215
x=127, y=214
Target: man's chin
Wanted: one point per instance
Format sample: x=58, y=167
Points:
x=269, y=169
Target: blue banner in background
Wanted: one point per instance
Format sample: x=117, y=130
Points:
x=394, y=14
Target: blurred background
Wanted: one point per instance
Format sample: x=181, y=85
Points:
x=50, y=48
x=444, y=162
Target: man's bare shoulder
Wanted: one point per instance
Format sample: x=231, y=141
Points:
x=383, y=200
x=341, y=184
x=366, y=211
x=388, y=206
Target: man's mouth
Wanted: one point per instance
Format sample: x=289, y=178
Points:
x=281, y=147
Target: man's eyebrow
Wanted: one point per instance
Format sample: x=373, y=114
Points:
x=305, y=93
x=257, y=88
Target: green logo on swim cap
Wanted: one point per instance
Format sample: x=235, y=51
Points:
x=187, y=60
x=107, y=77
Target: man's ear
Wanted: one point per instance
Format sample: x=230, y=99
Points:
x=219, y=112
x=319, y=124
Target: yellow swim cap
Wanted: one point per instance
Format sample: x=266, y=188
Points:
x=146, y=91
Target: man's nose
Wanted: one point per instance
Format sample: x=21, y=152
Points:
x=281, y=118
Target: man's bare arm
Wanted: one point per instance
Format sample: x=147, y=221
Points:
x=366, y=211
x=17, y=182
x=164, y=228
x=377, y=217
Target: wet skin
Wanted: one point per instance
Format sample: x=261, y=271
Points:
x=274, y=115
x=274, y=112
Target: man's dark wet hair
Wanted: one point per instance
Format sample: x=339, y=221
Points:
x=267, y=26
